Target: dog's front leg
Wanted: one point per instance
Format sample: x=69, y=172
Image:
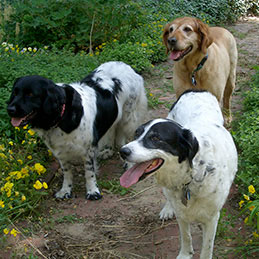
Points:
x=209, y=232
x=167, y=212
x=65, y=191
x=93, y=192
x=186, y=251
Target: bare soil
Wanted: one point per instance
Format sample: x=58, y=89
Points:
x=128, y=226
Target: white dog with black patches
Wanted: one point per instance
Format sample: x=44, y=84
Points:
x=100, y=112
x=194, y=158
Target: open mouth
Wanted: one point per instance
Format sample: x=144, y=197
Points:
x=140, y=171
x=19, y=122
x=179, y=54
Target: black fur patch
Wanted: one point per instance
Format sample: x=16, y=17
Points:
x=73, y=110
x=171, y=138
x=107, y=109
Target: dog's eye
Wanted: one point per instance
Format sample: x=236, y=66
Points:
x=138, y=132
x=171, y=29
x=155, y=138
x=187, y=29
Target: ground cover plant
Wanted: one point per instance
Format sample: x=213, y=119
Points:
x=60, y=46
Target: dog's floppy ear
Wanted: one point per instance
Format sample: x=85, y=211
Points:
x=53, y=98
x=165, y=36
x=190, y=144
x=205, y=38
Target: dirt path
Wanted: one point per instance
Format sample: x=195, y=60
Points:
x=128, y=226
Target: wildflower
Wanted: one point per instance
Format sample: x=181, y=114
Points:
x=45, y=47
x=6, y=49
x=10, y=143
x=14, y=232
x=255, y=235
x=30, y=49
x=246, y=220
x=31, y=132
x=143, y=45
x=97, y=53
x=25, y=172
x=17, y=128
x=246, y=197
x=241, y=203
x=114, y=40
x=2, y=148
x=2, y=155
x=4, y=44
x=23, y=198
x=6, y=231
x=29, y=157
x=37, y=185
x=39, y=168
x=45, y=185
x=251, y=189
x=34, y=50
x=23, y=142
x=2, y=204
x=151, y=94
x=26, y=126
x=20, y=161
x=251, y=208
x=16, y=193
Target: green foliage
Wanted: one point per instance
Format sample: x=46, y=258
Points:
x=70, y=23
x=247, y=137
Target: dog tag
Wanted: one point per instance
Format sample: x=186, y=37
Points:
x=194, y=81
x=186, y=196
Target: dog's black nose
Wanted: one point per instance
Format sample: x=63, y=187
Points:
x=172, y=41
x=125, y=152
x=11, y=110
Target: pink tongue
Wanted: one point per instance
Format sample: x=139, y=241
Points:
x=16, y=121
x=132, y=175
x=175, y=54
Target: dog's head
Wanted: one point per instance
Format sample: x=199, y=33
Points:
x=35, y=100
x=184, y=36
x=157, y=144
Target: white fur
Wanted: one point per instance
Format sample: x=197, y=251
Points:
x=77, y=145
x=200, y=113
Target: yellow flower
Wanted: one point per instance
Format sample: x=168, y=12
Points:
x=30, y=49
x=29, y=157
x=34, y=50
x=114, y=40
x=241, y=203
x=144, y=45
x=251, y=189
x=50, y=153
x=37, y=185
x=25, y=171
x=11, y=143
x=45, y=185
x=23, y=142
x=6, y=231
x=20, y=161
x=2, y=148
x=39, y=168
x=31, y=132
x=246, y=197
x=14, y=232
x=255, y=235
x=16, y=193
x=246, y=220
x=2, y=204
x=23, y=198
x=251, y=208
x=26, y=126
x=2, y=155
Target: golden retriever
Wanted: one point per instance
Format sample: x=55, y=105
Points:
x=205, y=58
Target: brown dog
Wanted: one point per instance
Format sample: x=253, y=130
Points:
x=205, y=58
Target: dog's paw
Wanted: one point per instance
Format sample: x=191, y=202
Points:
x=167, y=212
x=93, y=196
x=185, y=255
x=63, y=194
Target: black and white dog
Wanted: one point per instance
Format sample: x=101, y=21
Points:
x=194, y=158
x=75, y=121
